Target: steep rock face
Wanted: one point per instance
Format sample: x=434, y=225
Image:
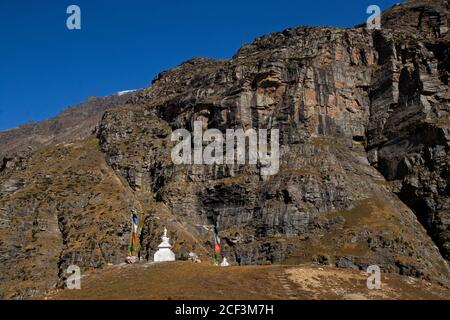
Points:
x=408, y=132
x=327, y=204
x=418, y=18
x=308, y=77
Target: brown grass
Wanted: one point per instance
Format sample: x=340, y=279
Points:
x=185, y=280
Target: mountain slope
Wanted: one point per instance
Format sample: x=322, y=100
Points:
x=76, y=122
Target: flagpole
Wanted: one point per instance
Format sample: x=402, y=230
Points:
x=130, y=253
x=217, y=245
x=133, y=237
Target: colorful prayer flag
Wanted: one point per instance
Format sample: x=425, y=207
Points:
x=134, y=232
x=217, y=246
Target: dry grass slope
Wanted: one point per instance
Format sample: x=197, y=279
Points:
x=185, y=280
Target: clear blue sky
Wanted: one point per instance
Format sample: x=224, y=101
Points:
x=122, y=45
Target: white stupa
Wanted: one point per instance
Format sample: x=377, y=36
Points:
x=164, y=253
x=225, y=263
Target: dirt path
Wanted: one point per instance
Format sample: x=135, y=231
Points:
x=285, y=283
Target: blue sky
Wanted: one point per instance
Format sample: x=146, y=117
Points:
x=122, y=45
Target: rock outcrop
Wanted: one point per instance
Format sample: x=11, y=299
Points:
x=408, y=132
x=364, y=140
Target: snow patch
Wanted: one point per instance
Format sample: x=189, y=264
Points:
x=121, y=93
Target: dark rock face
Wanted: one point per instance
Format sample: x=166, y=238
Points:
x=408, y=133
x=420, y=19
x=363, y=120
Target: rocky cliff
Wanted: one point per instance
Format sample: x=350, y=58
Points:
x=364, y=156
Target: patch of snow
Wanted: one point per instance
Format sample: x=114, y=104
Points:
x=121, y=93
